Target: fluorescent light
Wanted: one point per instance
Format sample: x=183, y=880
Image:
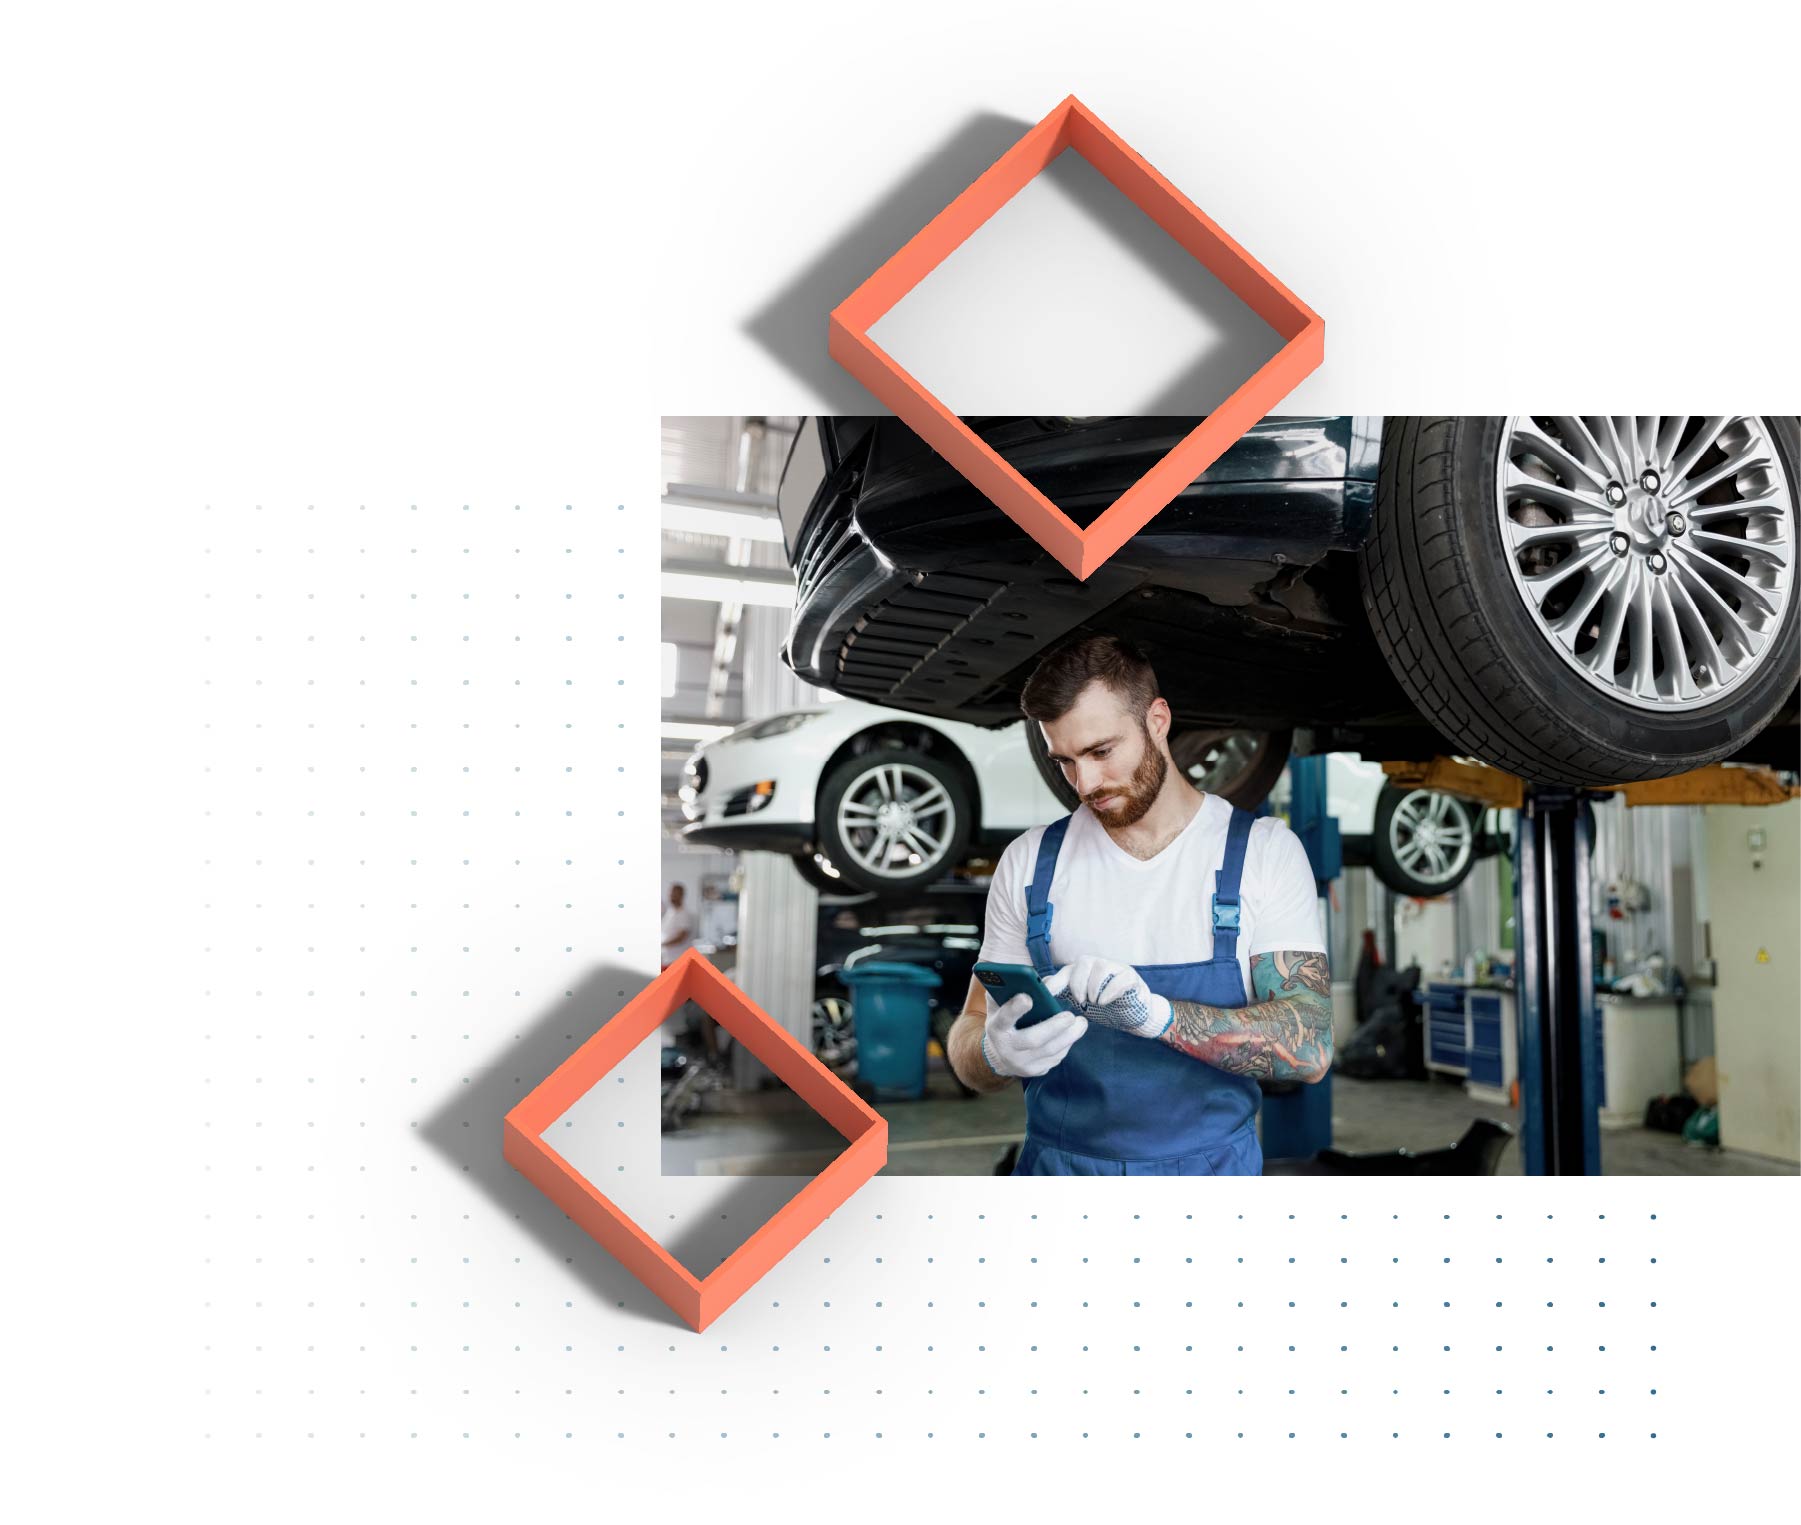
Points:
x=691, y=730
x=671, y=663
x=732, y=523
x=713, y=588
x=712, y=497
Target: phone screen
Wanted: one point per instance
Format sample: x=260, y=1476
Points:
x=1004, y=981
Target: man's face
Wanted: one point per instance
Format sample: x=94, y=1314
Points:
x=1112, y=756
x=676, y=893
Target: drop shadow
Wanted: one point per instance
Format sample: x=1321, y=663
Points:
x=754, y=1200
x=465, y=1129
x=791, y=325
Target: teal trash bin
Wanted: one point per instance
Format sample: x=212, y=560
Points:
x=891, y=1008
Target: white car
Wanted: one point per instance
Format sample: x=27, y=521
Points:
x=880, y=800
x=1419, y=842
x=861, y=796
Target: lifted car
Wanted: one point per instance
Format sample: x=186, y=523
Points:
x=1578, y=600
x=863, y=798
x=882, y=802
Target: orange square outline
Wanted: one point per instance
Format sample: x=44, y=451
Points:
x=1073, y=125
x=697, y=1300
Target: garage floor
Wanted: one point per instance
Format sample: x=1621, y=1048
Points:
x=946, y=1134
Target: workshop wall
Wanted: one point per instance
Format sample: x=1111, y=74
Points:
x=1753, y=871
x=1653, y=847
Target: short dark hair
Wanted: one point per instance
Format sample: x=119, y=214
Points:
x=1051, y=692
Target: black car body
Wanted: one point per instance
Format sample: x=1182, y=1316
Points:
x=914, y=591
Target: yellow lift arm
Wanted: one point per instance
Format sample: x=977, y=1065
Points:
x=1717, y=784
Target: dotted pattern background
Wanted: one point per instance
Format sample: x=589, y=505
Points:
x=425, y=867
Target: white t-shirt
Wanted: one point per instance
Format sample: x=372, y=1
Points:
x=1108, y=904
x=678, y=922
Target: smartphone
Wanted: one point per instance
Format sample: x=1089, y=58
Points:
x=1004, y=981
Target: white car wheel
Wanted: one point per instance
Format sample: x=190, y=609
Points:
x=892, y=819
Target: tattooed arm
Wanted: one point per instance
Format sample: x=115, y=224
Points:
x=1285, y=1035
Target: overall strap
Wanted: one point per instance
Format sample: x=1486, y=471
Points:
x=1038, y=897
x=1226, y=884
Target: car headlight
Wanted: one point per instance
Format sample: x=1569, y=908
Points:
x=775, y=725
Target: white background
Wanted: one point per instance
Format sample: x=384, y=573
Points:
x=333, y=343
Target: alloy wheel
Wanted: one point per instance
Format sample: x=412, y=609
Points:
x=896, y=819
x=1655, y=554
x=1214, y=760
x=1432, y=835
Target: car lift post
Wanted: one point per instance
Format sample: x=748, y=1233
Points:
x=1554, y=983
x=1297, y=1119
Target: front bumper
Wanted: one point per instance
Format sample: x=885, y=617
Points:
x=727, y=778
x=749, y=834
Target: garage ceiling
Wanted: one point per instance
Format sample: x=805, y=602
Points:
x=743, y=454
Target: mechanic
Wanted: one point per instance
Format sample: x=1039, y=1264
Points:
x=678, y=925
x=1150, y=911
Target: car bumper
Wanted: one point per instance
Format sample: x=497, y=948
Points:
x=758, y=794
x=748, y=834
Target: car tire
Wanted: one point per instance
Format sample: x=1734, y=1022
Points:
x=811, y=867
x=1253, y=761
x=927, y=784
x=1262, y=762
x=1048, y=771
x=834, y=1034
x=1424, y=842
x=1511, y=672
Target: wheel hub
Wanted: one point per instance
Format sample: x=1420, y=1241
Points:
x=1655, y=555
x=1644, y=519
x=894, y=815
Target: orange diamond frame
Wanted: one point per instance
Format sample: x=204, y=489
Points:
x=697, y=1300
x=1073, y=125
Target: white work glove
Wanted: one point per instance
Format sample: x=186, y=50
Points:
x=1023, y=1053
x=1114, y=995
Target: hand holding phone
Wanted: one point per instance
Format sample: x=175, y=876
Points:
x=1030, y=1030
x=1004, y=981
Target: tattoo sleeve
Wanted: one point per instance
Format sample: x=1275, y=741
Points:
x=1286, y=1034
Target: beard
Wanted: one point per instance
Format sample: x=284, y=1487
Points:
x=1133, y=802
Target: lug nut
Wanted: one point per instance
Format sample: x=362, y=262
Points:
x=1616, y=494
x=1618, y=543
x=1675, y=523
x=1658, y=564
x=1650, y=481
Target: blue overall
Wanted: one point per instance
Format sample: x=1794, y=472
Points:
x=1124, y=1105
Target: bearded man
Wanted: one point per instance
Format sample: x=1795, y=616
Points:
x=1182, y=934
